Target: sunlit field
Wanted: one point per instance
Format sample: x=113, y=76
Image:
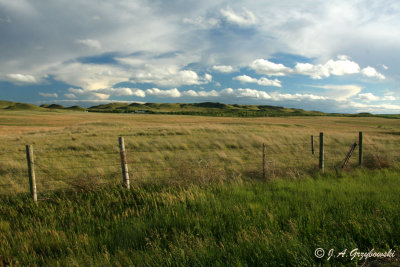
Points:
x=80, y=147
x=198, y=194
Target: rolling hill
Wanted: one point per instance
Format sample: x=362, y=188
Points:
x=199, y=109
x=205, y=108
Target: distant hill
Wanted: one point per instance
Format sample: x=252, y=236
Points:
x=205, y=109
x=55, y=106
x=77, y=108
x=8, y=105
x=198, y=109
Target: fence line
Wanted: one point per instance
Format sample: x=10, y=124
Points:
x=133, y=163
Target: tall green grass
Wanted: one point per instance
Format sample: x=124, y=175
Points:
x=253, y=223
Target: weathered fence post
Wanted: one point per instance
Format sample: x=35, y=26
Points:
x=31, y=172
x=124, y=164
x=321, y=151
x=263, y=161
x=312, y=144
x=360, y=148
x=349, y=155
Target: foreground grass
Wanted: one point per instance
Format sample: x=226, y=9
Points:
x=239, y=223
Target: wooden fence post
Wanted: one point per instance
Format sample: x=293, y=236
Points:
x=360, y=148
x=321, y=151
x=263, y=161
x=124, y=164
x=349, y=155
x=312, y=144
x=31, y=172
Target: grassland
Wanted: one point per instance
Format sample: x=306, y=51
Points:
x=198, y=196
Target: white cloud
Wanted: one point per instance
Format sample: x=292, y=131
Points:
x=340, y=92
x=262, y=81
x=245, y=18
x=71, y=96
x=368, y=97
x=164, y=93
x=207, y=77
x=339, y=67
x=343, y=65
x=383, y=66
x=131, y=61
x=49, y=95
x=389, y=98
x=376, y=108
x=90, y=76
x=21, y=78
x=371, y=72
x=245, y=79
x=296, y=97
x=269, y=68
x=244, y=93
x=168, y=76
x=78, y=91
x=240, y=93
x=88, y=94
x=91, y=43
x=267, y=82
x=202, y=22
x=343, y=57
x=122, y=91
x=223, y=68
x=192, y=93
x=248, y=93
x=314, y=71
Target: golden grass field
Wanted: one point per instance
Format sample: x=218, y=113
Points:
x=79, y=149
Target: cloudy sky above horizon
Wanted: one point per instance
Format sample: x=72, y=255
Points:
x=332, y=56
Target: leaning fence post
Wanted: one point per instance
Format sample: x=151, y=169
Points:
x=124, y=164
x=321, y=151
x=349, y=155
x=360, y=148
x=263, y=161
x=31, y=172
x=312, y=144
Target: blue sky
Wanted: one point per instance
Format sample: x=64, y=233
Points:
x=332, y=56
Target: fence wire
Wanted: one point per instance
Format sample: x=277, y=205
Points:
x=69, y=165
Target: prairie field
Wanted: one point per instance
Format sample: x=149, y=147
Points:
x=199, y=196
x=73, y=147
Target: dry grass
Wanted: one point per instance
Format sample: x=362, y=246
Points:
x=75, y=146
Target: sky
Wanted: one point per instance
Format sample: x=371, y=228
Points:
x=331, y=56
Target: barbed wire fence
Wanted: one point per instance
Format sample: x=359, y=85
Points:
x=57, y=169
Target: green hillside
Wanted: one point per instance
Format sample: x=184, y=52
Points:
x=5, y=104
x=55, y=106
x=198, y=109
x=9, y=105
x=18, y=106
x=205, y=108
x=76, y=108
